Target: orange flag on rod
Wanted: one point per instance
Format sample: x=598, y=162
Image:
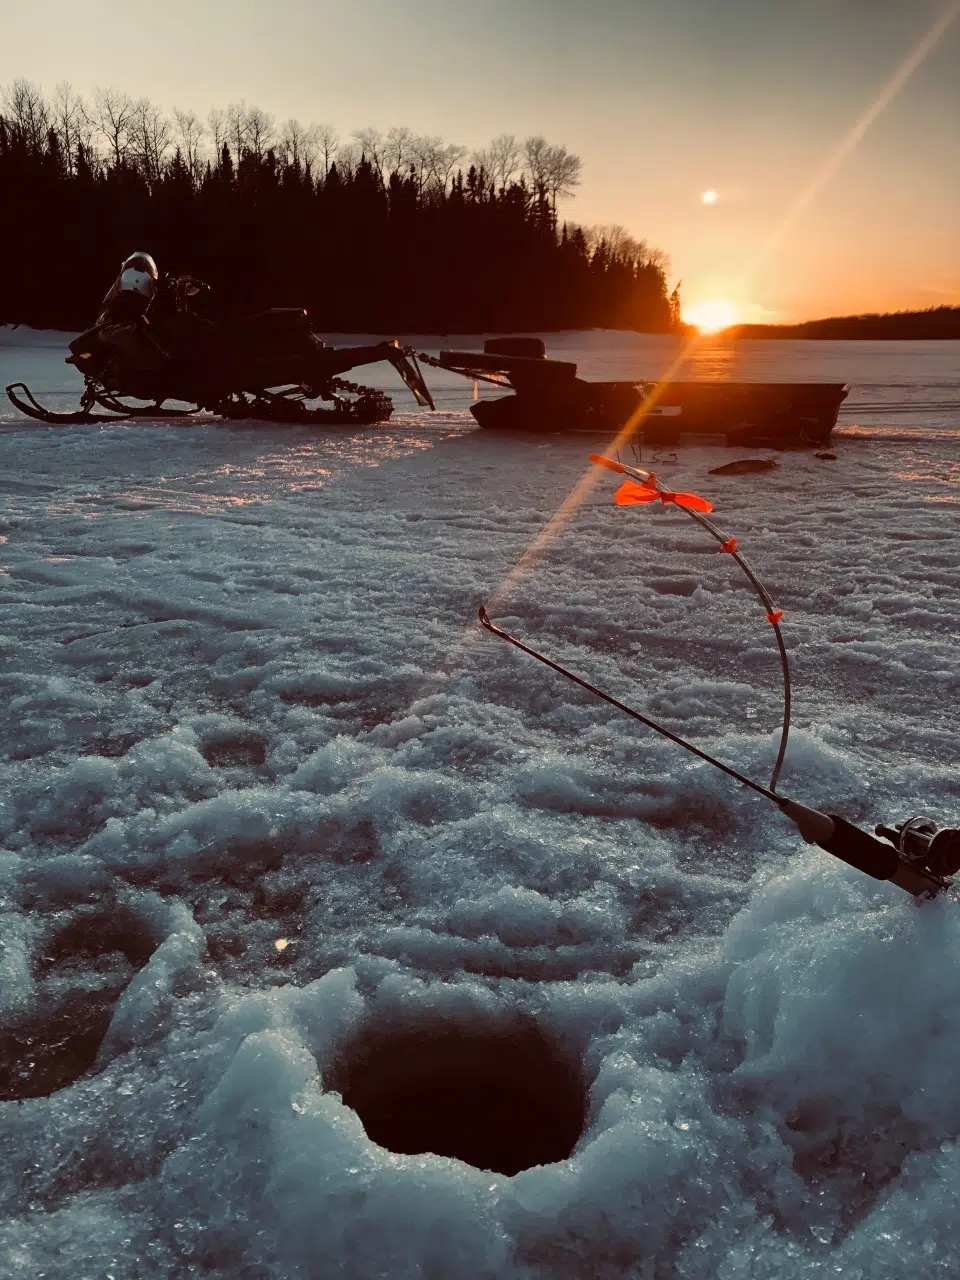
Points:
x=611, y=464
x=630, y=493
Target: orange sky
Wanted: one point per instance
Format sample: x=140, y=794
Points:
x=662, y=99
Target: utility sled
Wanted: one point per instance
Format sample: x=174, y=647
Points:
x=549, y=397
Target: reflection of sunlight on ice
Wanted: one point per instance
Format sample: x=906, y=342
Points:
x=186, y=502
x=940, y=473
x=290, y=464
x=711, y=360
x=70, y=509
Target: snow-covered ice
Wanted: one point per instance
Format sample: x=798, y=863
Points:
x=275, y=812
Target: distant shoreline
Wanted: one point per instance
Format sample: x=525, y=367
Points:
x=940, y=324
x=923, y=326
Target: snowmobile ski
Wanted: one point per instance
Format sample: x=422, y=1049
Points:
x=32, y=408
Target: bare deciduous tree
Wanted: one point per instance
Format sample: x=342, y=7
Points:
x=446, y=161
x=563, y=170
x=217, y=124
x=261, y=132
x=482, y=160
x=294, y=141
x=656, y=258
x=423, y=159
x=327, y=141
x=235, y=133
x=112, y=118
x=503, y=159
x=620, y=245
x=189, y=136
x=149, y=139
x=433, y=161
x=67, y=117
x=419, y=159
x=348, y=157
x=373, y=145
x=536, y=153
x=26, y=109
x=397, y=149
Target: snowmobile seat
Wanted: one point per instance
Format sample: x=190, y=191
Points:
x=276, y=323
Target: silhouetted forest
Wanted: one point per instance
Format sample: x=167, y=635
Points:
x=936, y=322
x=384, y=233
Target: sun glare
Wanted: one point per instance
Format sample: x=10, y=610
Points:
x=711, y=316
x=708, y=197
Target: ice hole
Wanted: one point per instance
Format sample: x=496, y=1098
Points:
x=231, y=751
x=53, y=1048
x=58, y=1041
x=96, y=934
x=501, y=1098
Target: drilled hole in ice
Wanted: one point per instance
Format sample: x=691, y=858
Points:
x=502, y=1098
x=232, y=751
x=53, y=1047
x=92, y=936
x=50, y=1047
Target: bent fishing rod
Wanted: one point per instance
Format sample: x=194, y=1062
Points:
x=915, y=855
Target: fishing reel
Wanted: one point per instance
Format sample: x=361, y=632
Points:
x=924, y=845
x=915, y=855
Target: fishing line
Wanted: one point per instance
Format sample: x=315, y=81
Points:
x=643, y=487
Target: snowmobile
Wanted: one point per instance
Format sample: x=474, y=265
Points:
x=269, y=366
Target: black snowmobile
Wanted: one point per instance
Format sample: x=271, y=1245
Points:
x=269, y=366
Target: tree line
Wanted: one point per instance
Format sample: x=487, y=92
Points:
x=933, y=324
x=381, y=232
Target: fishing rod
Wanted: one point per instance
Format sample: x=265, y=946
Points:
x=915, y=855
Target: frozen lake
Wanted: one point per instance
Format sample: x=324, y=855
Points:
x=283, y=830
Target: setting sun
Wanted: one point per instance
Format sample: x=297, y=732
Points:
x=712, y=316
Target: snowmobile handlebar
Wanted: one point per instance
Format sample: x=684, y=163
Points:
x=182, y=289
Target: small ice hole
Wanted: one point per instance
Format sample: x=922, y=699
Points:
x=502, y=1099
x=231, y=752
x=57, y=1042
x=94, y=935
x=53, y=1048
